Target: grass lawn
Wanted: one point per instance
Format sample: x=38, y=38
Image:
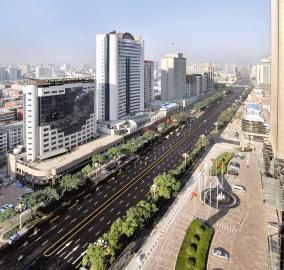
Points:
x=195, y=246
x=224, y=158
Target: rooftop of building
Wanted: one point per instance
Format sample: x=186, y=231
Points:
x=80, y=152
x=253, y=117
x=59, y=81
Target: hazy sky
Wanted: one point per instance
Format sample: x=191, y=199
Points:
x=64, y=31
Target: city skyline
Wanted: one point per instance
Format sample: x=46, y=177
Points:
x=56, y=32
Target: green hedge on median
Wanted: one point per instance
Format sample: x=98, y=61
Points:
x=195, y=246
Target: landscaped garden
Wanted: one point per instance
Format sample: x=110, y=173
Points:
x=220, y=164
x=195, y=246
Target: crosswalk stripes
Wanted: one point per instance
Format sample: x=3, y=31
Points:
x=227, y=228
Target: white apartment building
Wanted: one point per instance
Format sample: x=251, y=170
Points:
x=59, y=115
x=173, y=76
x=230, y=69
x=148, y=82
x=263, y=72
x=11, y=135
x=119, y=75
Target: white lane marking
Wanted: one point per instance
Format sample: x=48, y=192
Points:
x=111, y=209
x=121, y=202
x=44, y=243
x=85, y=211
x=90, y=200
x=38, y=239
x=128, y=194
x=73, y=220
x=60, y=231
x=142, y=190
x=127, y=204
x=77, y=241
x=85, y=245
x=135, y=188
x=90, y=229
x=102, y=218
x=113, y=189
x=70, y=259
x=82, y=254
x=118, y=213
x=105, y=195
x=62, y=254
x=108, y=222
x=74, y=249
x=79, y=208
x=53, y=227
x=98, y=233
x=95, y=203
x=68, y=244
x=67, y=217
x=135, y=197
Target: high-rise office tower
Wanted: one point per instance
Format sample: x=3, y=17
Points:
x=206, y=69
x=277, y=78
x=148, y=82
x=173, y=76
x=263, y=71
x=119, y=75
x=59, y=115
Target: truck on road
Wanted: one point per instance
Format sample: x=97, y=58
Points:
x=13, y=238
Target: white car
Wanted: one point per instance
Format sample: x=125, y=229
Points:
x=221, y=253
x=274, y=225
x=2, y=210
x=239, y=188
x=8, y=205
x=29, y=190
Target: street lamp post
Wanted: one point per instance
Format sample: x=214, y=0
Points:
x=185, y=155
x=216, y=126
x=20, y=216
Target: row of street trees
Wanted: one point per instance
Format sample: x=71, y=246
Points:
x=226, y=116
x=201, y=105
x=103, y=252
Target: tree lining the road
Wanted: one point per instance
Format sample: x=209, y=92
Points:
x=163, y=188
x=103, y=252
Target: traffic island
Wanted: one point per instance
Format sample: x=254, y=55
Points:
x=195, y=246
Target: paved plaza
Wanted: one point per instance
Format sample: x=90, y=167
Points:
x=241, y=231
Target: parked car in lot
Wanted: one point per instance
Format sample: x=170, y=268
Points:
x=8, y=205
x=239, y=188
x=2, y=210
x=29, y=190
x=233, y=171
x=234, y=165
x=240, y=155
x=221, y=253
x=275, y=225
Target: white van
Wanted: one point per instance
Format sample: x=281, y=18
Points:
x=239, y=188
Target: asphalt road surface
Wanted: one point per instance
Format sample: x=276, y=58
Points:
x=61, y=240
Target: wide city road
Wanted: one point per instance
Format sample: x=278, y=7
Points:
x=61, y=240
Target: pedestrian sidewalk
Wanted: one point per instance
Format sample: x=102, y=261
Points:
x=161, y=249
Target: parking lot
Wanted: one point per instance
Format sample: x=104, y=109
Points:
x=10, y=193
x=244, y=226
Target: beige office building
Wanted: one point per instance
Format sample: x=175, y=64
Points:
x=277, y=78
